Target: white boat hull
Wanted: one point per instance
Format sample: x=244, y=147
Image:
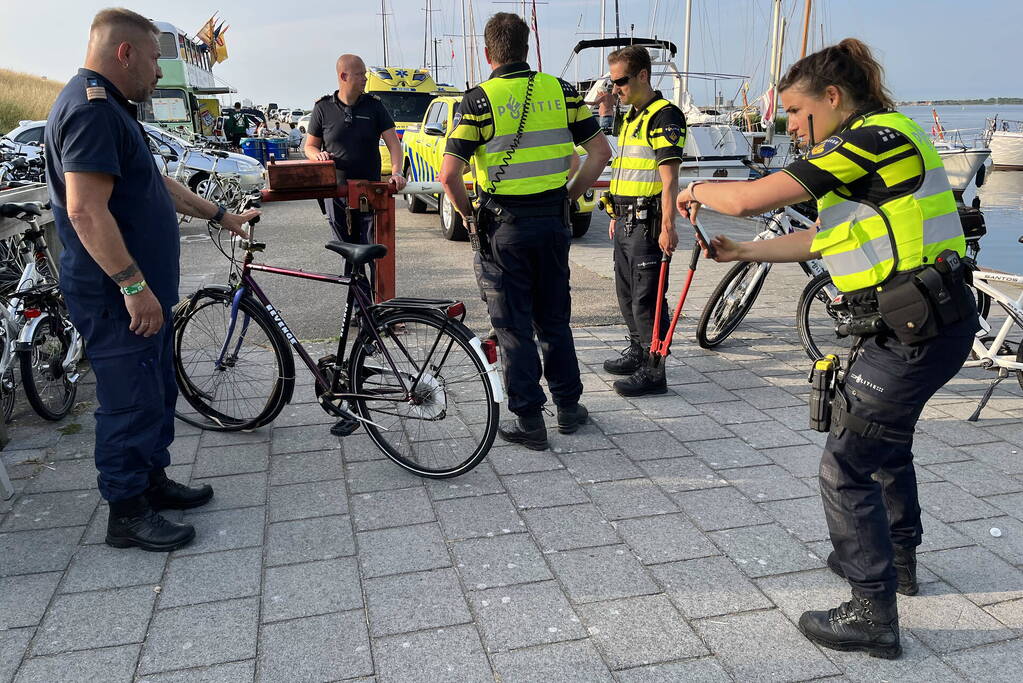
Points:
x=961, y=165
x=1007, y=150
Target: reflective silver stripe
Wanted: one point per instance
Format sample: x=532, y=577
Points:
x=866, y=256
x=637, y=152
x=636, y=175
x=530, y=169
x=935, y=182
x=844, y=212
x=537, y=138
x=941, y=228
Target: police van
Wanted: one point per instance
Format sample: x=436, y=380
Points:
x=405, y=93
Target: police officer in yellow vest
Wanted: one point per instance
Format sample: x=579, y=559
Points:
x=890, y=235
x=644, y=182
x=520, y=129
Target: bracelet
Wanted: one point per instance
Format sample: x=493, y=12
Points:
x=219, y=215
x=692, y=188
x=132, y=290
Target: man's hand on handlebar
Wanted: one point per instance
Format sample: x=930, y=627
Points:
x=235, y=222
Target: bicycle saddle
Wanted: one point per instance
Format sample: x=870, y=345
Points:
x=23, y=210
x=357, y=254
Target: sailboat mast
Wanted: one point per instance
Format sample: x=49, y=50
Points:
x=603, y=23
x=806, y=27
x=775, y=64
x=536, y=35
x=383, y=28
x=465, y=50
x=685, y=49
x=618, y=30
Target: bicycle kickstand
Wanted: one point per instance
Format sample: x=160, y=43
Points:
x=1002, y=374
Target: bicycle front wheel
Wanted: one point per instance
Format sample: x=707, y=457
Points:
x=47, y=387
x=425, y=394
x=816, y=319
x=730, y=301
x=237, y=373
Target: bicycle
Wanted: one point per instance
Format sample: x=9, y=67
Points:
x=734, y=295
x=425, y=387
x=997, y=352
x=35, y=327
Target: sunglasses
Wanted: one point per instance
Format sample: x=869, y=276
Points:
x=621, y=81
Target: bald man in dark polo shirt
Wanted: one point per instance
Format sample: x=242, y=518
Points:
x=346, y=127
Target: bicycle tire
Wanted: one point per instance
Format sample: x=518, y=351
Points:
x=435, y=429
x=256, y=382
x=7, y=395
x=47, y=388
x=726, y=310
x=815, y=320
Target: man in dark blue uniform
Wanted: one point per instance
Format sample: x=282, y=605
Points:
x=347, y=127
x=116, y=216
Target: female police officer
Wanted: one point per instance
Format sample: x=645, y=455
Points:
x=890, y=235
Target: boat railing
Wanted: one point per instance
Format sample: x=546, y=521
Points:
x=999, y=125
x=966, y=138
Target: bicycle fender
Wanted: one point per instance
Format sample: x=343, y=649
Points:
x=24, y=342
x=493, y=376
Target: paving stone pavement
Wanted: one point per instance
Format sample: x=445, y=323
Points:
x=675, y=538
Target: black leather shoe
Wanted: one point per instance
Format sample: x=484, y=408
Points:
x=905, y=570
x=167, y=494
x=530, y=432
x=570, y=418
x=628, y=362
x=646, y=380
x=863, y=625
x=133, y=523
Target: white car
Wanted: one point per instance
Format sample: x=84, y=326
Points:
x=303, y=124
x=250, y=172
x=294, y=116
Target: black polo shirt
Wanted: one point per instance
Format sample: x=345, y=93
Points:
x=93, y=128
x=351, y=133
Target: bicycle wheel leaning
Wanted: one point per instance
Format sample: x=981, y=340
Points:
x=816, y=318
x=238, y=374
x=449, y=424
x=730, y=301
x=47, y=387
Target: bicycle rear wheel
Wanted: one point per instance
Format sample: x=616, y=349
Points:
x=816, y=319
x=47, y=387
x=730, y=301
x=445, y=425
x=236, y=377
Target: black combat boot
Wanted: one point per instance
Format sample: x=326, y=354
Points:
x=528, y=430
x=646, y=380
x=628, y=362
x=868, y=625
x=570, y=418
x=133, y=523
x=166, y=494
x=905, y=570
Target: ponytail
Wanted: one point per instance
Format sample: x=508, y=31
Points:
x=849, y=66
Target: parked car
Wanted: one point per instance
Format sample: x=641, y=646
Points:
x=251, y=175
x=294, y=116
x=303, y=124
x=27, y=138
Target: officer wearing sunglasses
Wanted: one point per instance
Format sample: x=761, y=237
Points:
x=644, y=181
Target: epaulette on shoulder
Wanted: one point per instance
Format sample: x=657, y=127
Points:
x=325, y=97
x=94, y=90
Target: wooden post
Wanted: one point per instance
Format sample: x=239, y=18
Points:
x=806, y=27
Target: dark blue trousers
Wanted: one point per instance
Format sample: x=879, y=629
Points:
x=136, y=391
x=868, y=485
x=525, y=285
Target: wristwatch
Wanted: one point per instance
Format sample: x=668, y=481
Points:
x=219, y=215
x=133, y=289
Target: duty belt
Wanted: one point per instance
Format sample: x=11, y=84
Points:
x=635, y=211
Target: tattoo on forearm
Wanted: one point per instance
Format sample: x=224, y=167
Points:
x=129, y=272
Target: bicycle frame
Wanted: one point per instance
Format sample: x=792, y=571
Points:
x=988, y=356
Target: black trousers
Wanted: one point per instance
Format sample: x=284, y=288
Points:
x=869, y=485
x=361, y=232
x=525, y=284
x=637, y=265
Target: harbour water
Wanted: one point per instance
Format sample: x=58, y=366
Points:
x=1001, y=195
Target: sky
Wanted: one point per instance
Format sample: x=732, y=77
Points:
x=284, y=52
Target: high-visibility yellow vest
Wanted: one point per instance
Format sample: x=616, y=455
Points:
x=634, y=171
x=544, y=153
x=863, y=244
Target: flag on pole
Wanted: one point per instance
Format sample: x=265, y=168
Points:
x=219, y=46
x=205, y=34
x=767, y=106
